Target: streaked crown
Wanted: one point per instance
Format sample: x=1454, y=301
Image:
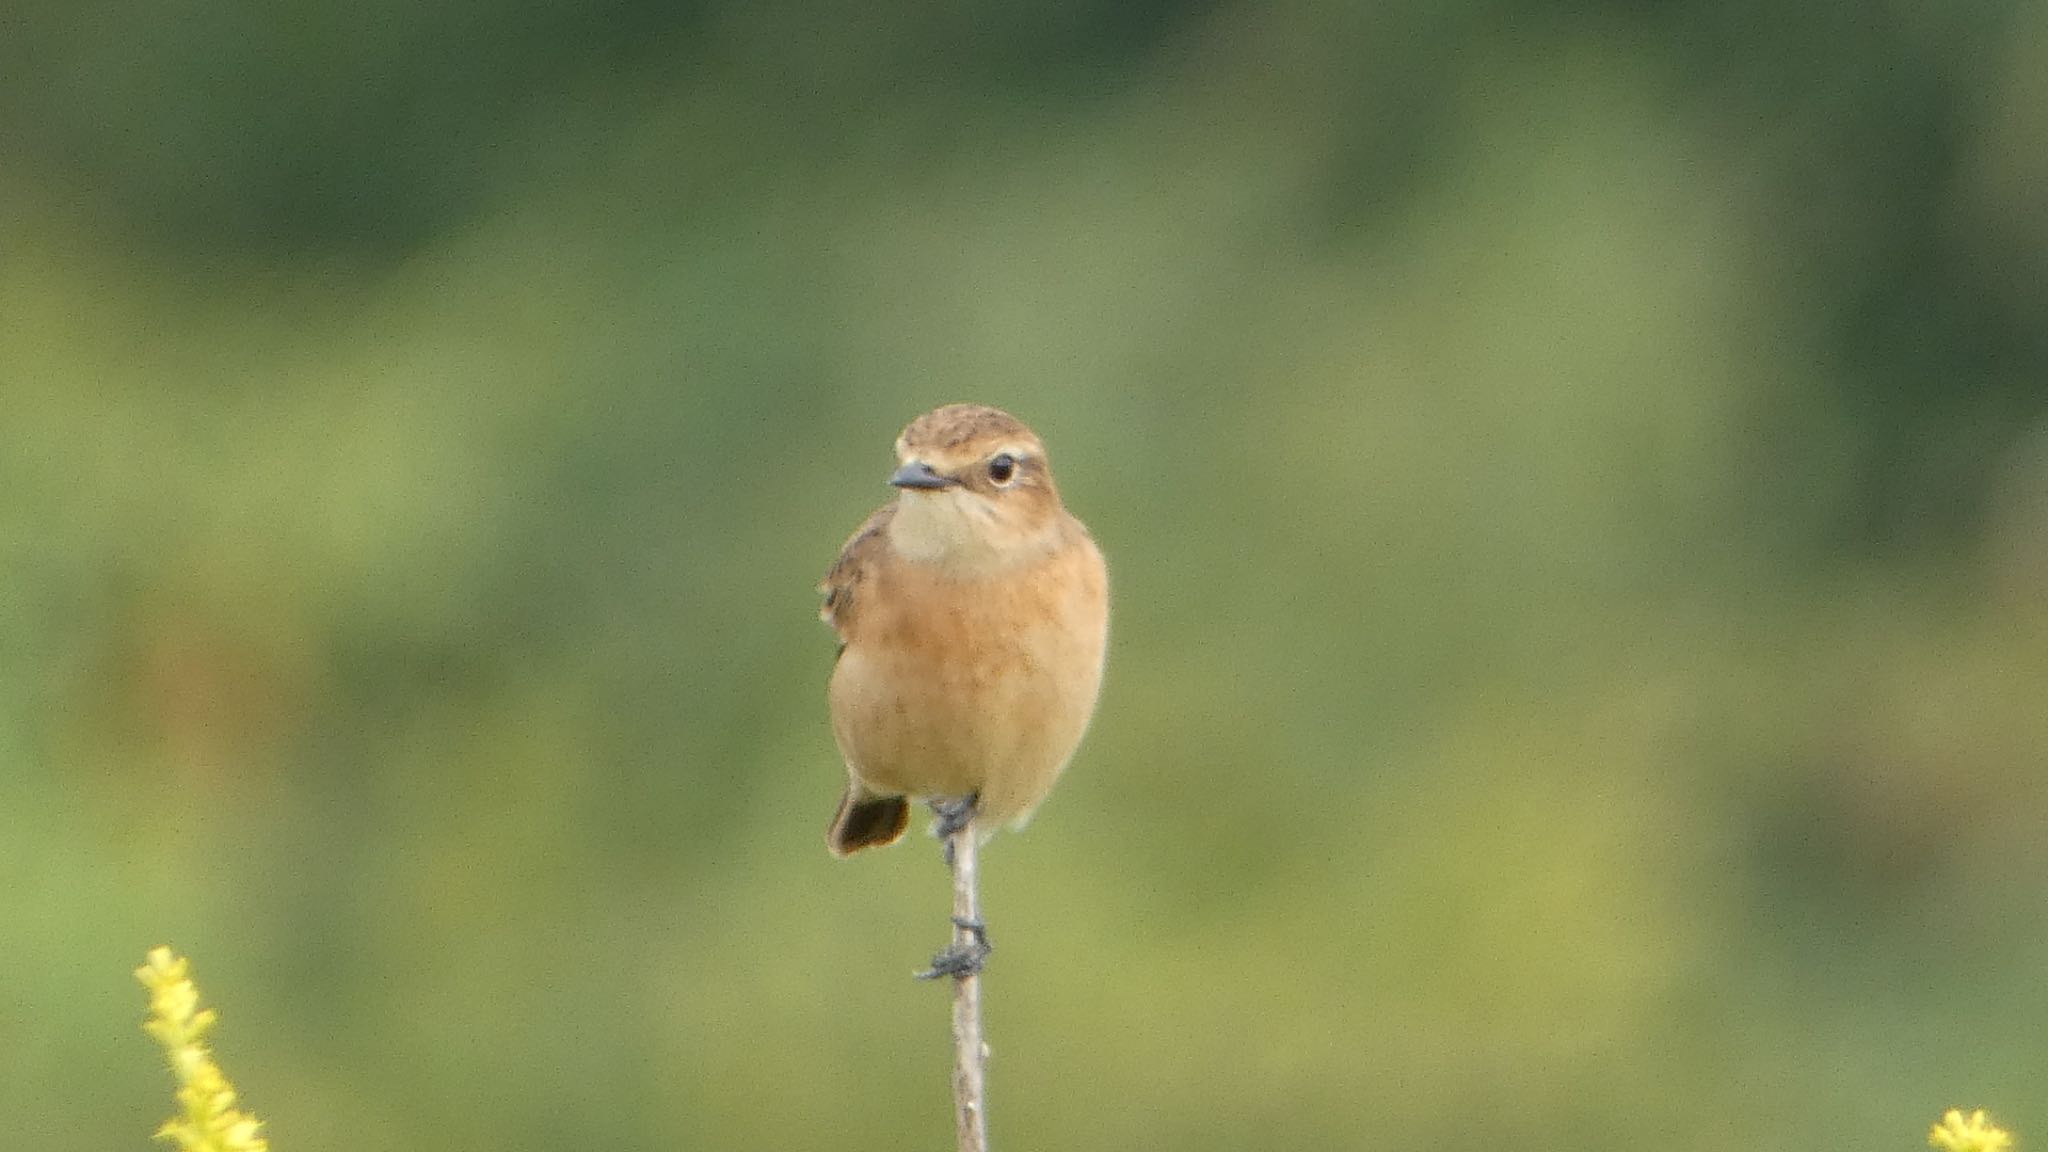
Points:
x=960, y=433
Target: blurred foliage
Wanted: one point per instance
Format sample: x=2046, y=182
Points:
x=1972, y=1133
x=207, y=1119
x=1576, y=479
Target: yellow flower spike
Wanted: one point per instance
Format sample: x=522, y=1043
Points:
x=1972, y=1133
x=208, y=1120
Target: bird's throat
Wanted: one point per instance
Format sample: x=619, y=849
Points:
x=952, y=529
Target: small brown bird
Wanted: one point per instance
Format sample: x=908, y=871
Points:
x=973, y=613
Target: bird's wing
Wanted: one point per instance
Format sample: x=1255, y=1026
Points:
x=841, y=585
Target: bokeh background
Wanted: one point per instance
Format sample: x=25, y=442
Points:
x=1575, y=478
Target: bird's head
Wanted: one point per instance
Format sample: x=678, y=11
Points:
x=977, y=491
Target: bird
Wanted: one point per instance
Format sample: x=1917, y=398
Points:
x=972, y=611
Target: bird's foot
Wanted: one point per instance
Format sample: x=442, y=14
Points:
x=953, y=816
x=963, y=958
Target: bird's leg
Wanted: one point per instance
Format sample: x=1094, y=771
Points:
x=964, y=957
x=953, y=817
x=953, y=814
x=954, y=826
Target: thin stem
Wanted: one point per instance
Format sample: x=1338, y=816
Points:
x=970, y=1052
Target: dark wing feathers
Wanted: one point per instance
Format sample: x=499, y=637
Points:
x=842, y=582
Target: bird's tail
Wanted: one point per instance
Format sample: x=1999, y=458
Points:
x=866, y=820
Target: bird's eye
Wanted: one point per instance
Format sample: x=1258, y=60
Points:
x=1003, y=468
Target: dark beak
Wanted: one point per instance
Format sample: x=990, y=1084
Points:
x=918, y=474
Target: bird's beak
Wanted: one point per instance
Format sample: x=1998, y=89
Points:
x=918, y=474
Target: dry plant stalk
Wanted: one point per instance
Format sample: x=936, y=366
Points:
x=970, y=1052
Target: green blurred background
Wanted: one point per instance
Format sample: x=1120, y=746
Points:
x=1575, y=479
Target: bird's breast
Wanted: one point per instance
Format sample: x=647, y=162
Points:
x=950, y=685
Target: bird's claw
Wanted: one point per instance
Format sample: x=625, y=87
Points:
x=963, y=958
x=952, y=816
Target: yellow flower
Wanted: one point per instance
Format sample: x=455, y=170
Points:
x=1974, y=1133
x=208, y=1120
